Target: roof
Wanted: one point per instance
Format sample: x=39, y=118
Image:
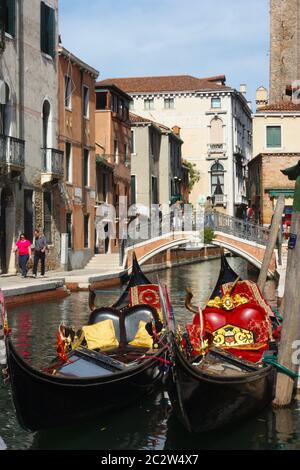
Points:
x=170, y=83
x=135, y=119
x=286, y=106
x=75, y=60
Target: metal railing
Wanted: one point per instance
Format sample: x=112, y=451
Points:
x=12, y=151
x=53, y=161
x=240, y=228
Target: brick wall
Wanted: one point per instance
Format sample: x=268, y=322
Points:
x=285, y=51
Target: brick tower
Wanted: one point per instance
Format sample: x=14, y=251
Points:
x=285, y=48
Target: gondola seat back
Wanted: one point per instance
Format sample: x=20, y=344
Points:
x=135, y=315
x=107, y=313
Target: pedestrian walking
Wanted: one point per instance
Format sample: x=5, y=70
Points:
x=40, y=246
x=209, y=213
x=23, y=247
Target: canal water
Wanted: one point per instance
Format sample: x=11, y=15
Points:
x=150, y=423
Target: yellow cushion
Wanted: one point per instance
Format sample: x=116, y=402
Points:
x=142, y=337
x=101, y=335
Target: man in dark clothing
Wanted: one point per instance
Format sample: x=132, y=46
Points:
x=40, y=246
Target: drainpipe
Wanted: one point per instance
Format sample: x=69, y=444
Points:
x=233, y=157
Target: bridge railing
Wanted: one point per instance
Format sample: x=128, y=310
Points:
x=241, y=229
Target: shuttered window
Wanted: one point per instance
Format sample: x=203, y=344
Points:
x=133, y=189
x=10, y=16
x=273, y=136
x=47, y=30
x=86, y=231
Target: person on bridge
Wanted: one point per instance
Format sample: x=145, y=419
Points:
x=209, y=213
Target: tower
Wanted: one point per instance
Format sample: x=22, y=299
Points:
x=284, y=48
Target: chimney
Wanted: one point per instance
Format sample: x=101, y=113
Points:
x=176, y=130
x=243, y=89
x=261, y=97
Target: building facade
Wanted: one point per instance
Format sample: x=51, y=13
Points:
x=156, y=164
x=275, y=145
x=113, y=152
x=285, y=51
x=31, y=165
x=77, y=141
x=216, y=128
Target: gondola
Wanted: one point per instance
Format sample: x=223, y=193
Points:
x=220, y=372
x=89, y=378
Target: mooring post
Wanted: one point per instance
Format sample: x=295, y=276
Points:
x=276, y=222
x=289, y=343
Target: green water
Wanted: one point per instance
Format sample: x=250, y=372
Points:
x=150, y=424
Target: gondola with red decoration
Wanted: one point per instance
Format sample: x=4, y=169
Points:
x=219, y=370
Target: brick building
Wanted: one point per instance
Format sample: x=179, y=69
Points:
x=275, y=144
x=77, y=141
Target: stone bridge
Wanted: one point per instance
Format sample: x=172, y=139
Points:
x=246, y=240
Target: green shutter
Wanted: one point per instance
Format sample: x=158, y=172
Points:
x=10, y=17
x=51, y=32
x=43, y=27
x=273, y=136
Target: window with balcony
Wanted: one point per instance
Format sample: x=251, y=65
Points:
x=148, y=104
x=9, y=17
x=217, y=183
x=68, y=92
x=154, y=190
x=48, y=30
x=273, y=136
x=86, y=101
x=169, y=103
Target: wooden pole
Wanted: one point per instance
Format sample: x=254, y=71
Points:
x=276, y=222
x=291, y=321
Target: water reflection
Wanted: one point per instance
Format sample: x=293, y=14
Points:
x=149, y=424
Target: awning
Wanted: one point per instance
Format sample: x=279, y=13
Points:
x=288, y=193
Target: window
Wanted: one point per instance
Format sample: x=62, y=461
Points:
x=132, y=142
x=48, y=216
x=217, y=182
x=86, y=99
x=216, y=103
x=154, y=190
x=101, y=100
x=86, y=165
x=9, y=16
x=273, y=136
x=169, y=103
x=126, y=154
x=116, y=151
x=68, y=92
x=149, y=104
x=69, y=228
x=68, y=162
x=86, y=230
x=47, y=30
x=133, y=189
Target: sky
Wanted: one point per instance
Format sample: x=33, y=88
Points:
x=127, y=38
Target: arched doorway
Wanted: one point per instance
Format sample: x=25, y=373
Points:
x=7, y=224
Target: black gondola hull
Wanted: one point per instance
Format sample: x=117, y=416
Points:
x=203, y=403
x=42, y=400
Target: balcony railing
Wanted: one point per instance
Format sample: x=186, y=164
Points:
x=53, y=162
x=12, y=152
